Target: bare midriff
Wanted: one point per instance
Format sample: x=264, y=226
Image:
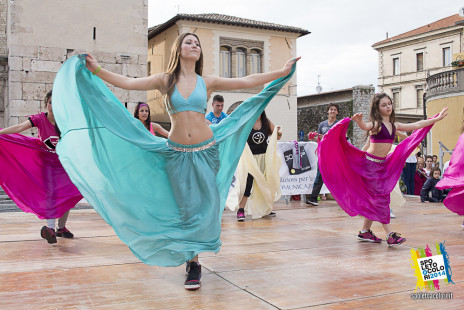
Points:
x=379, y=149
x=189, y=127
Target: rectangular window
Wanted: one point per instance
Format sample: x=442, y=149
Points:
x=241, y=63
x=255, y=63
x=149, y=68
x=420, y=61
x=446, y=56
x=420, y=97
x=396, y=66
x=224, y=62
x=396, y=99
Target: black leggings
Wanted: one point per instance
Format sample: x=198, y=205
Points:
x=249, y=185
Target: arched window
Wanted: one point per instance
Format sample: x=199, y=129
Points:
x=241, y=62
x=233, y=107
x=255, y=59
x=224, y=62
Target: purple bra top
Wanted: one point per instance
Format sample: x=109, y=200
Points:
x=384, y=136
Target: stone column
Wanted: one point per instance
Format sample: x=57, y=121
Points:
x=362, y=95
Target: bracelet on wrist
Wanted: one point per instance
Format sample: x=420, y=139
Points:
x=96, y=70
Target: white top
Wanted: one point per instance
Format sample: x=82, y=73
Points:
x=412, y=159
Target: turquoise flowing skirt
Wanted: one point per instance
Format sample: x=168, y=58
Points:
x=164, y=200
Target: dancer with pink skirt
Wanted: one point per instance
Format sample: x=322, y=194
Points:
x=375, y=172
x=32, y=175
x=454, y=178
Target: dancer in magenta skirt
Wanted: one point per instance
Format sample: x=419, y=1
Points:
x=453, y=178
x=374, y=172
x=32, y=175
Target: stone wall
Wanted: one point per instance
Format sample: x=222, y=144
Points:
x=37, y=49
x=362, y=95
x=350, y=101
x=3, y=61
x=33, y=70
x=309, y=118
x=3, y=18
x=3, y=88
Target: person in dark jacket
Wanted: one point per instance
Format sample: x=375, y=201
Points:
x=429, y=186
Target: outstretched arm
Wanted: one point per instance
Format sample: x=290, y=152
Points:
x=214, y=83
x=358, y=118
x=401, y=135
x=157, y=128
x=423, y=123
x=16, y=128
x=152, y=82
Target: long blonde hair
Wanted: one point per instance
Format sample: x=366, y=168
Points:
x=173, y=69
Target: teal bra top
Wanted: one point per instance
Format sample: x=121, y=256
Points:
x=195, y=102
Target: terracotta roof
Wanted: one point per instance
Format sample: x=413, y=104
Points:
x=226, y=20
x=440, y=24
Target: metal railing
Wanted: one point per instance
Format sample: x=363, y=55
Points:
x=441, y=153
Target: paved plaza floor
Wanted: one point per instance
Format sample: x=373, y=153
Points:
x=304, y=258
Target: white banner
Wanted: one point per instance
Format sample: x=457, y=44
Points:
x=297, y=176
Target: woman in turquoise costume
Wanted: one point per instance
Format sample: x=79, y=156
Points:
x=164, y=199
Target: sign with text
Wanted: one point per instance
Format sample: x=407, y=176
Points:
x=297, y=174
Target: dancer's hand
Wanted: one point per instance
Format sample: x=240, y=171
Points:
x=91, y=63
x=442, y=114
x=357, y=117
x=288, y=66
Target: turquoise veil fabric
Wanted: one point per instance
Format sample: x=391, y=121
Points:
x=120, y=167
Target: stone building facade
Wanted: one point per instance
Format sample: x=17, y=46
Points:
x=35, y=48
x=406, y=60
x=312, y=110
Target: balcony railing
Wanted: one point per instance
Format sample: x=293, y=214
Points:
x=445, y=83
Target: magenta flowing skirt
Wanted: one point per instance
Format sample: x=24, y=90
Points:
x=454, y=178
x=34, y=178
x=361, y=183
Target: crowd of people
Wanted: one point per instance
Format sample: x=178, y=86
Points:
x=206, y=162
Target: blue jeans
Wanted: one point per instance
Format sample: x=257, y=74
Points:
x=408, y=177
x=317, y=186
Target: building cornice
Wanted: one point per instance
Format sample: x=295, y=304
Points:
x=418, y=38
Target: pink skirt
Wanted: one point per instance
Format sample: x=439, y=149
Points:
x=34, y=178
x=361, y=183
x=454, y=178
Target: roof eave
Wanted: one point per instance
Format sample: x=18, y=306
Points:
x=172, y=21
